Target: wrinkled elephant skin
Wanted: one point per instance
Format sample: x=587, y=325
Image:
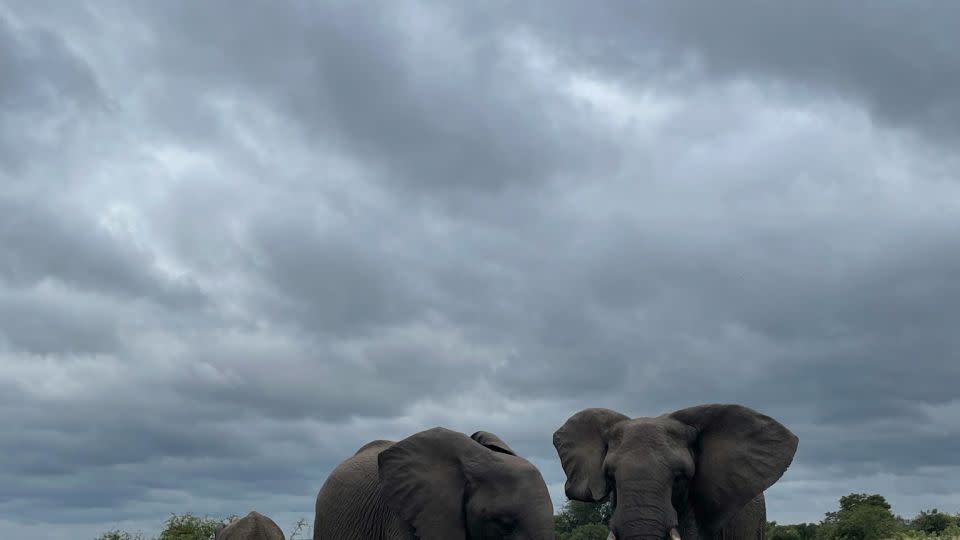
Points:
x=253, y=526
x=435, y=485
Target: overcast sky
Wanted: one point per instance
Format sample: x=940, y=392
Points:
x=238, y=240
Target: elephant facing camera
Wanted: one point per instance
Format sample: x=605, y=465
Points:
x=695, y=473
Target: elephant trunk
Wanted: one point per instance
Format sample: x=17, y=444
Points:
x=651, y=518
x=674, y=535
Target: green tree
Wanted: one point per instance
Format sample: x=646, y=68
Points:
x=780, y=532
x=800, y=531
x=576, y=514
x=117, y=534
x=855, y=500
x=866, y=522
x=590, y=531
x=807, y=531
x=861, y=517
x=189, y=527
x=931, y=522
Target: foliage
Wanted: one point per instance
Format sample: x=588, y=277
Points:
x=577, y=514
x=120, y=535
x=861, y=517
x=590, y=531
x=865, y=522
x=856, y=500
x=189, y=527
x=801, y=531
x=784, y=533
x=932, y=522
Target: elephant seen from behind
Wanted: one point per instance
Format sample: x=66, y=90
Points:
x=696, y=473
x=253, y=526
x=435, y=485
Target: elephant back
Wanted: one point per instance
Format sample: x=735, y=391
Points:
x=350, y=505
x=253, y=526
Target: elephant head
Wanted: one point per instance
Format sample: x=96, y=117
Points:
x=452, y=487
x=703, y=463
x=253, y=526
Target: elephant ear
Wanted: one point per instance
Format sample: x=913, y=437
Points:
x=582, y=446
x=739, y=454
x=422, y=480
x=492, y=442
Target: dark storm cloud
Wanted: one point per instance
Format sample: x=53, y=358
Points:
x=302, y=228
x=433, y=98
x=331, y=281
x=38, y=74
x=46, y=324
x=899, y=59
x=39, y=243
x=40, y=70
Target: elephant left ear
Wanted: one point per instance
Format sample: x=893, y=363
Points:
x=739, y=454
x=422, y=479
x=492, y=442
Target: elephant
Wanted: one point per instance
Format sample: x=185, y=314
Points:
x=437, y=484
x=253, y=526
x=695, y=473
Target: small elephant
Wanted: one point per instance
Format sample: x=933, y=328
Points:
x=435, y=485
x=695, y=473
x=253, y=526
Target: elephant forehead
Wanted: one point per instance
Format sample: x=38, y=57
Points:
x=654, y=432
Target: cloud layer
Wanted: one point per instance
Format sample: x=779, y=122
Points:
x=238, y=241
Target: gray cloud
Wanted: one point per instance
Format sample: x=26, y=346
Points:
x=41, y=243
x=897, y=60
x=46, y=85
x=296, y=230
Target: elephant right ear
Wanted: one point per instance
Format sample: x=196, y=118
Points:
x=422, y=479
x=492, y=442
x=582, y=447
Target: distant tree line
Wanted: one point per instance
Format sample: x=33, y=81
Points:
x=860, y=516
x=191, y=527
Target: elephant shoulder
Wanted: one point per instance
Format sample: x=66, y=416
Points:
x=375, y=446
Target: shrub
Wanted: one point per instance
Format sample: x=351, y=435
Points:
x=189, y=527
x=932, y=522
x=590, y=531
x=120, y=535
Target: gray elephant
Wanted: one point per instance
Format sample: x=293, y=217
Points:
x=435, y=485
x=253, y=526
x=694, y=473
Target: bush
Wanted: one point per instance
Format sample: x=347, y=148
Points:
x=865, y=523
x=861, y=517
x=189, y=527
x=120, y=535
x=590, y=531
x=784, y=533
x=577, y=514
x=932, y=522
